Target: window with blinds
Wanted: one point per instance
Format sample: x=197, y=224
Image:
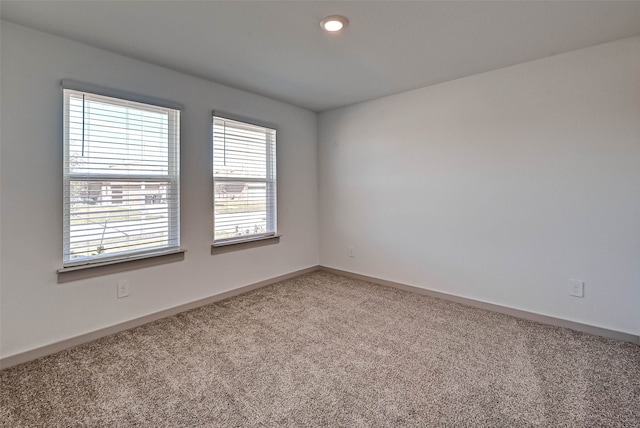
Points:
x=121, y=178
x=244, y=180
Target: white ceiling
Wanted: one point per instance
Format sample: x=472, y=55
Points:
x=277, y=48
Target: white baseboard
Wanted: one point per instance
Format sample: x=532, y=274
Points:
x=518, y=313
x=52, y=348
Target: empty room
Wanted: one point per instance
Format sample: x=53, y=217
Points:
x=319, y=213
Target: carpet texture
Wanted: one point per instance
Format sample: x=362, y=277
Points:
x=326, y=350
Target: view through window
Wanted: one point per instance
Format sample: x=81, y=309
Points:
x=244, y=180
x=121, y=177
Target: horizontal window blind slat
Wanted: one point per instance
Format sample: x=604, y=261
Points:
x=95, y=229
x=125, y=255
x=220, y=178
x=81, y=224
x=91, y=107
x=145, y=242
x=118, y=253
x=108, y=169
x=134, y=244
x=123, y=179
x=84, y=226
x=114, y=241
x=121, y=147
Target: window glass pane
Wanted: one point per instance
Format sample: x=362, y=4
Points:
x=121, y=178
x=244, y=174
x=112, y=217
x=241, y=151
x=240, y=209
x=108, y=138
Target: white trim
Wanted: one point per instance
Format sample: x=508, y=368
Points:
x=249, y=238
x=52, y=348
x=22, y=357
x=269, y=180
x=129, y=257
x=518, y=313
x=76, y=90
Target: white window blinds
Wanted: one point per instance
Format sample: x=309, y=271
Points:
x=244, y=180
x=121, y=178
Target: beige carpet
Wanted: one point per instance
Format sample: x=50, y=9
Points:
x=325, y=350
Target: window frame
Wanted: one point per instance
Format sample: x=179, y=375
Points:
x=172, y=177
x=271, y=184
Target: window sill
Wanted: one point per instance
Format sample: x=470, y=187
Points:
x=90, y=270
x=225, y=247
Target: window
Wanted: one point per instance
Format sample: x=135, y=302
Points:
x=244, y=180
x=121, y=176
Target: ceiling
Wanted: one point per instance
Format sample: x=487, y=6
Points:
x=278, y=49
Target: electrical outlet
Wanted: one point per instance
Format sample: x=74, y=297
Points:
x=576, y=288
x=123, y=288
x=351, y=251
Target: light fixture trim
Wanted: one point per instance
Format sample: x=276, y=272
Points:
x=334, y=23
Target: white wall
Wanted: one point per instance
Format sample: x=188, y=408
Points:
x=35, y=309
x=498, y=187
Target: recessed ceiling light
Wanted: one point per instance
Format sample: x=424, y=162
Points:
x=334, y=23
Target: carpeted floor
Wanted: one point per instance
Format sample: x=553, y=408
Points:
x=325, y=350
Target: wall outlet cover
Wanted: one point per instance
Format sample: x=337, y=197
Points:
x=123, y=288
x=576, y=288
